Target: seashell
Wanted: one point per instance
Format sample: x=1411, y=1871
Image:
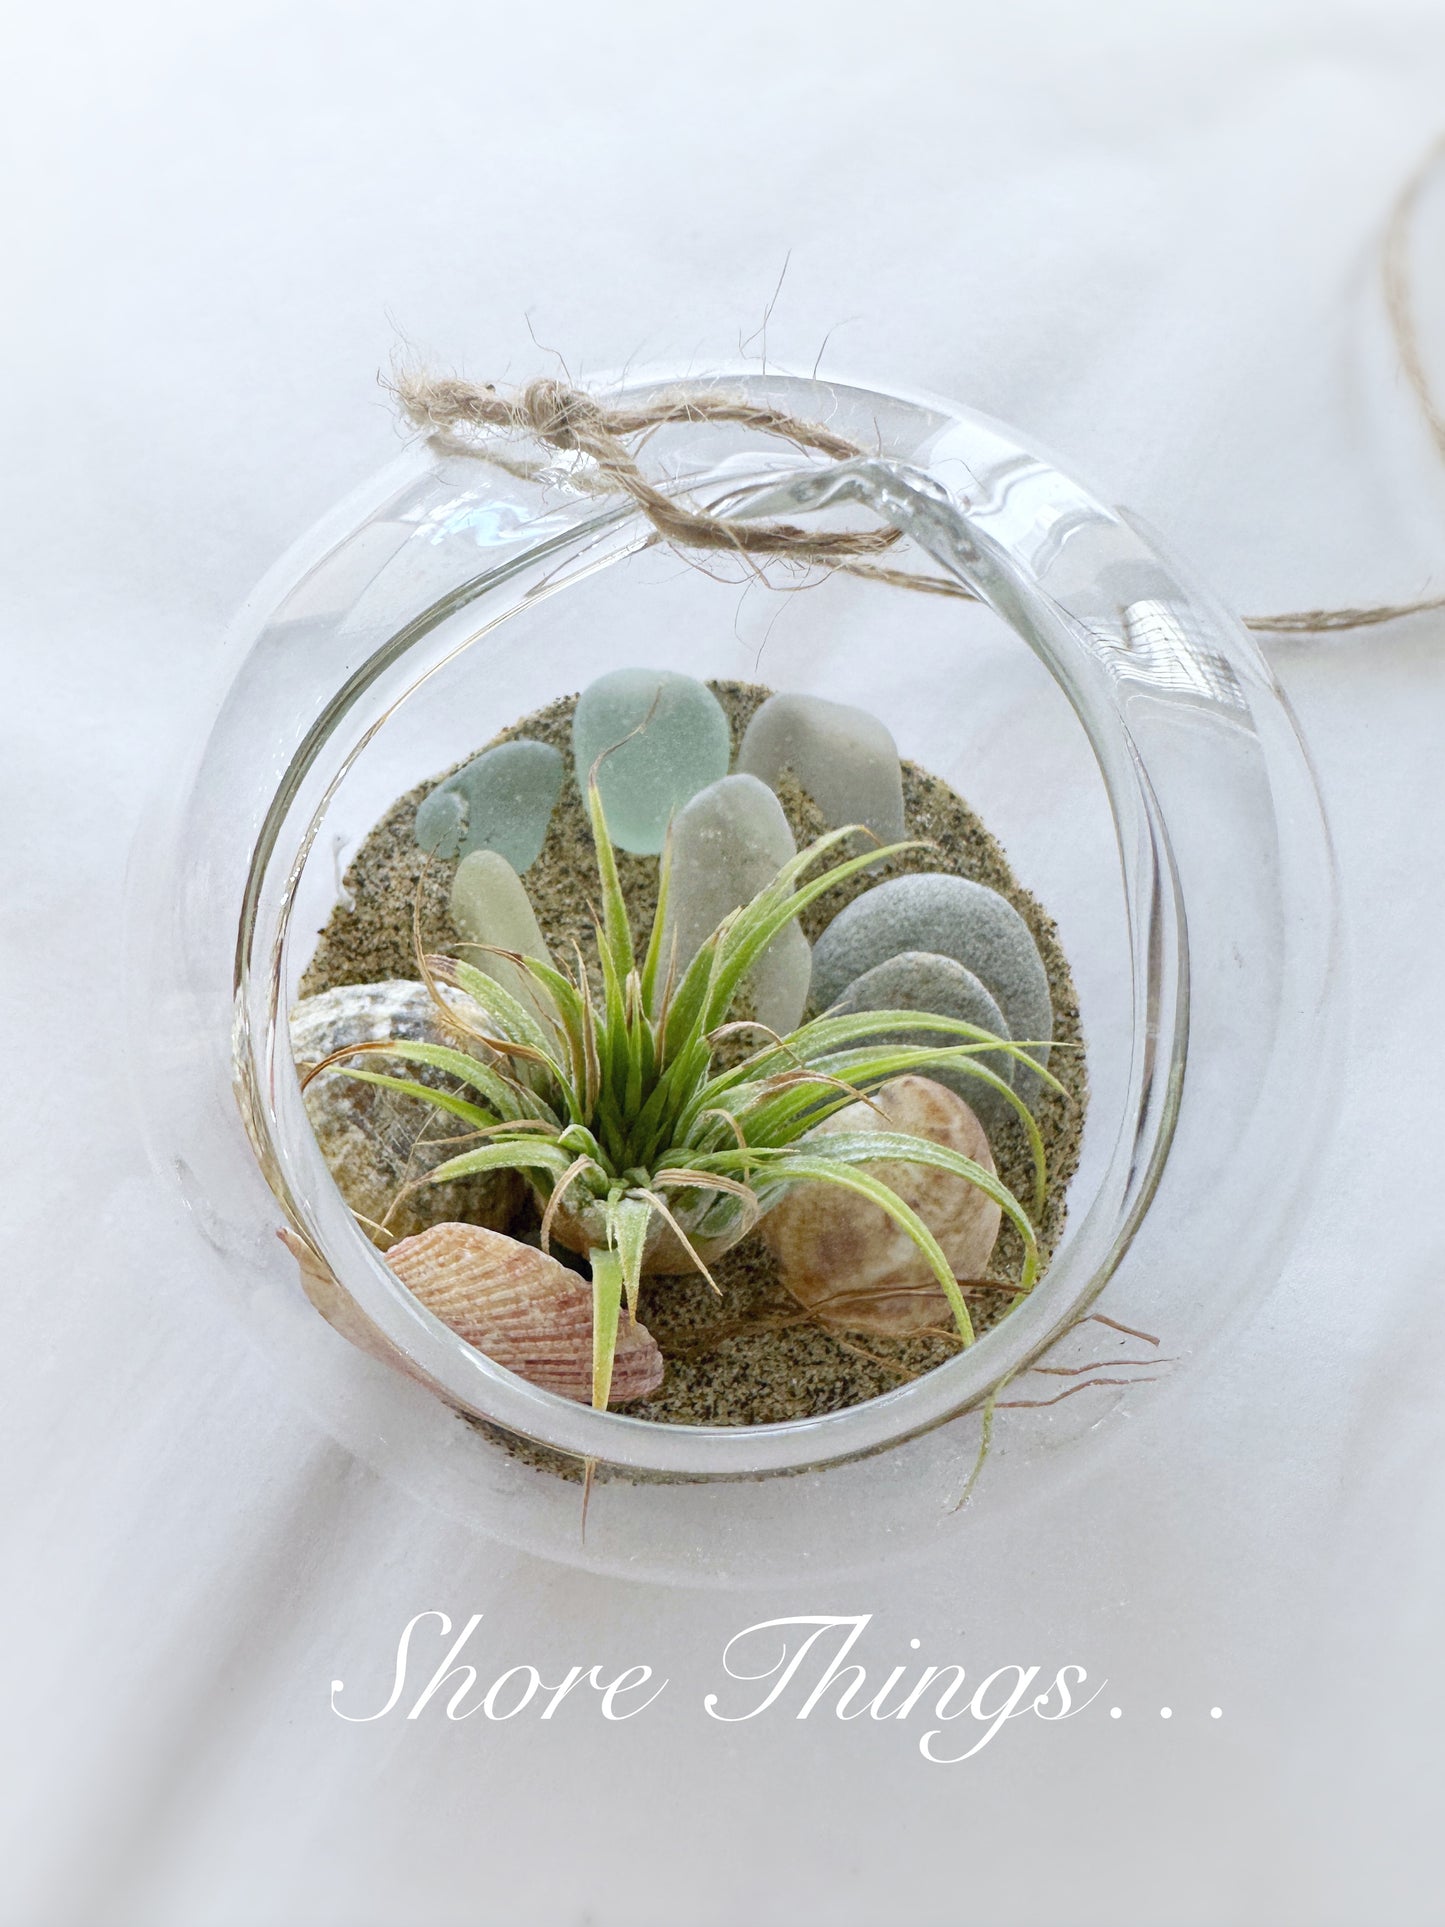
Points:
x=844, y=1257
x=523, y=1309
x=376, y=1142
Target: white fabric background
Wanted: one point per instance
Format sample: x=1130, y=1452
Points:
x=1148, y=236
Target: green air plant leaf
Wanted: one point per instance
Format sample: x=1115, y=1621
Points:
x=606, y=1303
x=628, y=1222
x=614, y=1106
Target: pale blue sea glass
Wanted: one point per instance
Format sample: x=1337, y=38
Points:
x=661, y=738
x=503, y=800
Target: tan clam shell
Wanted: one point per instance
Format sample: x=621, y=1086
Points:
x=523, y=1309
x=847, y=1261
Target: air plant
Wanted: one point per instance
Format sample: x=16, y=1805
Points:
x=630, y=1134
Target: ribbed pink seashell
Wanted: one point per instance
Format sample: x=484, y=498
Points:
x=523, y=1309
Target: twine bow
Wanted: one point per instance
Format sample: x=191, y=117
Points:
x=571, y=420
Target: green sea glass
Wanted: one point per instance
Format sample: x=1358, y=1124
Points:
x=502, y=800
x=662, y=737
x=728, y=843
x=492, y=912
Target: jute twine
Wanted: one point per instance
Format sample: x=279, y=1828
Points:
x=1400, y=307
x=571, y=421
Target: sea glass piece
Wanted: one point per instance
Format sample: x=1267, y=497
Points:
x=728, y=843
x=662, y=737
x=844, y=758
x=779, y=981
x=490, y=906
x=923, y=981
x=502, y=800
x=441, y=821
x=952, y=917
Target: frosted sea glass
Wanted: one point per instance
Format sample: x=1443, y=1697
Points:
x=843, y=757
x=666, y=738
x=502, y=800
x=728, y=843
x=490, y=905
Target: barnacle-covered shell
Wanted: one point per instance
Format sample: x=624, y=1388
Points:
x=845, y=1258
x=523, y=1309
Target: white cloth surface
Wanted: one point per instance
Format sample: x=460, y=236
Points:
x=1147, y=235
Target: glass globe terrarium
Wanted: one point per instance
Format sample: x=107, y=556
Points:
x=1112, y=725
